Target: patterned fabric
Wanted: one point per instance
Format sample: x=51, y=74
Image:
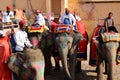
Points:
x=106, y=37
x=36, y=28
x=63, y=28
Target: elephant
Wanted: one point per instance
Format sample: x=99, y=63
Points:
x=27, y=65
x=44, y=41
x=66, y=43
x=107, y=49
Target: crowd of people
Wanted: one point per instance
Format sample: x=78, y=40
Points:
x=20, y=38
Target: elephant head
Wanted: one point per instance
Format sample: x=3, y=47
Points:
x=44, y=41
x=107, y=45
x=28, y=65
x=66, y=46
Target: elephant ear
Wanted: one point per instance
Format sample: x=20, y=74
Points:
x=15, y=61
x=77, y=37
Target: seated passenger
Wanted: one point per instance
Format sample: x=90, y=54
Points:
x=109, y=24
x=67, y=18
x=21, y=38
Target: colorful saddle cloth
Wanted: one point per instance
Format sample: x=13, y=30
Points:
x=93, y=48
x=36, y=28
x=106, y=37
x=63, y=28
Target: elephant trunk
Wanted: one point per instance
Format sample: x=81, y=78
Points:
x=111, y=55
x=63, y=56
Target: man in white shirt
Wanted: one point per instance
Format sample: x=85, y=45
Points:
x=67, y=18
x=21, y=38
x=7, y=15
x=39, y=19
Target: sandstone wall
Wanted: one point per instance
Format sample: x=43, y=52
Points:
x=91, y=12
x=23, y=4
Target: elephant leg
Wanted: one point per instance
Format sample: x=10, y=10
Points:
x=57, y=64
x=72, y=63
x=100, y=68
x=48, y=64
x=56, y=59
x=106, y=69
x=78, y=67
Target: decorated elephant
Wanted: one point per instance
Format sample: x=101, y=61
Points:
x=66, y=43
x=28, y=65
x=44, y=40
x=107, y=45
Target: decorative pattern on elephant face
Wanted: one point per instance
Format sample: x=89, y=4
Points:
x=28, y=65
x=64, y=42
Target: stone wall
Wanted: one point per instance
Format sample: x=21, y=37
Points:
x=23, y=4
x=91, y=12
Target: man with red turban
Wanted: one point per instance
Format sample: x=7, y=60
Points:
x=21, y=38
x=7, y=15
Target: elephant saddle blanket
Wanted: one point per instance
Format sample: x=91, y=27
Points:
x=5, y=72
x=107, y=37
x=36, y=28
x=63, y=28
x=82, y=49
x=80, y=27
x=93, y=47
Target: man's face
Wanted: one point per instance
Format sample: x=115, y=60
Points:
x=110, y=15
x=23, y=27
x=67, y=11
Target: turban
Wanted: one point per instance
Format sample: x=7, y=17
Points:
x=22, y=22
x=8, y=7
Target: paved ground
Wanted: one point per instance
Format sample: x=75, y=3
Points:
x=87, y=73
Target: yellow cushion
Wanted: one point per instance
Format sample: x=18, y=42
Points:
x=106, y=37
x=33, y=29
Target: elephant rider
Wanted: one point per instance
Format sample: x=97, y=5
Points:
x=8, y=15
x=67, y=18
x=21, y=38
x=108, y=25
x=39, y=19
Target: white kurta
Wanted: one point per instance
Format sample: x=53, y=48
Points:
x=71, y=18
x=39, y=19
x=6, y=17
x=21, y=39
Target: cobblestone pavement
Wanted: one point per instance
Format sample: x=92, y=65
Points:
x=88, y=73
